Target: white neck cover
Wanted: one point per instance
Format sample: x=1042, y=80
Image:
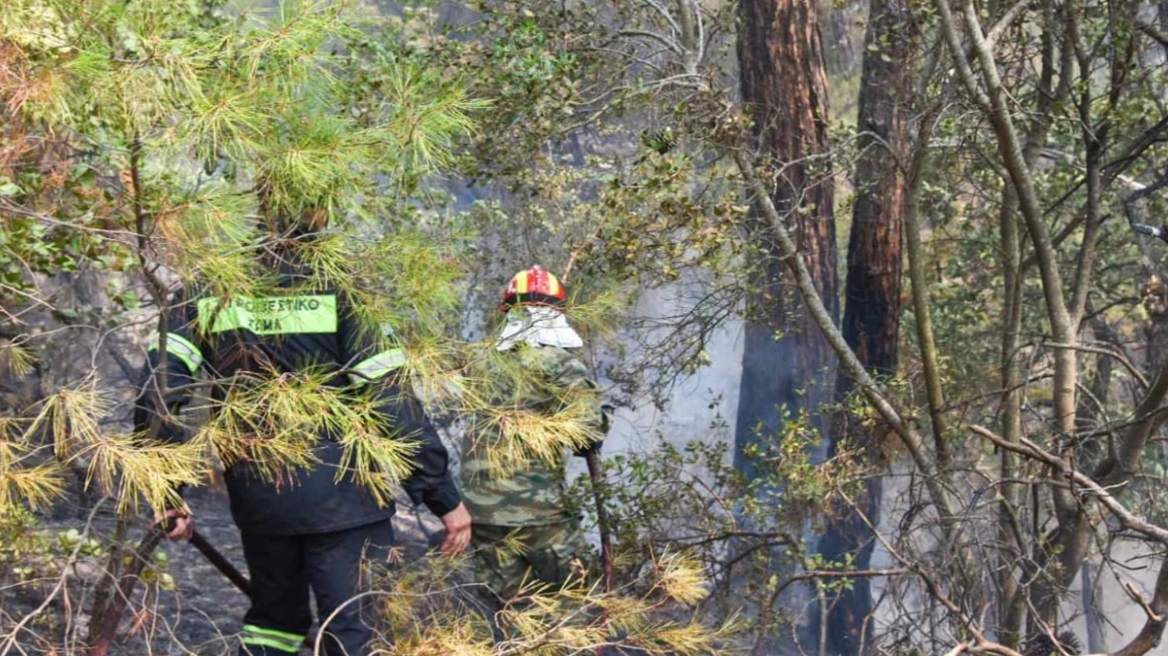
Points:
x=537, y=325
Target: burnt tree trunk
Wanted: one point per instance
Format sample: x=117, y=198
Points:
x=871, y=322
x=787, y=363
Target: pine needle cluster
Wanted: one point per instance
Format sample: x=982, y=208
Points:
x=518, y=416
x=274, y=422
x=428, y=611
x=69, y=430
x=22, y=479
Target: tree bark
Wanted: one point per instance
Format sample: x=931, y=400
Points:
x=871, y=322
x=786, y=360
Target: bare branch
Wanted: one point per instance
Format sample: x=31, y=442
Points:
x=1149, y=636
x=1105, y=498
x=1007, y=18
x=1111, y=353
x=672, y=45
x=1150, y=31
x=1139, y=599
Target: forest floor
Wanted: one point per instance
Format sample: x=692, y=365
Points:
x=202, y=614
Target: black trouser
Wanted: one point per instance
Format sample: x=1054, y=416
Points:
x=282, y=570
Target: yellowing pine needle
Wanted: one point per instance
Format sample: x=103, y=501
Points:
x=681, y=579
x=275, y=422
x=16, y=359
x=137, y=470
x=71, y=416
x=514, y=437
x=37, y=486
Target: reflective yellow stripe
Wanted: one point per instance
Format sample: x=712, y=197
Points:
x=294, y=637
x=269, y=642
x=258, y=635
x=183, y=349
x=377, y=366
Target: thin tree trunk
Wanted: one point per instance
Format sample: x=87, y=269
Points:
x=1011, y=604
x=1070, y=534
x=934, y=391
x=1012, y=601
x=1091, y=605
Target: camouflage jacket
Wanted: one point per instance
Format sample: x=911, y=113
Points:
x=543, y=402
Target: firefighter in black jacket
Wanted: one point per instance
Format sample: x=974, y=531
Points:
x=311, y=533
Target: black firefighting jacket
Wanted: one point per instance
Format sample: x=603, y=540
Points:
x=282, y=333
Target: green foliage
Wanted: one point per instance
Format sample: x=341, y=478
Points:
x=35, y=555
x=255, y=100
x=178, y=131
x=26, y=552
x=748, y=534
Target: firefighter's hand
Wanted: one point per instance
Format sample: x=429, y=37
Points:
x=177, y=524
x=457, y=523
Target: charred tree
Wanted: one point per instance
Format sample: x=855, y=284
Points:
x=872, y=307
x=787, y=362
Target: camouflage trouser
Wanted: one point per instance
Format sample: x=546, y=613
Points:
x=550, y=554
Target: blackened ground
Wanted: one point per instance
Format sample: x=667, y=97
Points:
x=201, y=615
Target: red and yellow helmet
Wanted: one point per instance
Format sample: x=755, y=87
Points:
x=535, y=286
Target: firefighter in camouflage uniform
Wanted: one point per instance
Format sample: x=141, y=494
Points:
x=521, y=531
